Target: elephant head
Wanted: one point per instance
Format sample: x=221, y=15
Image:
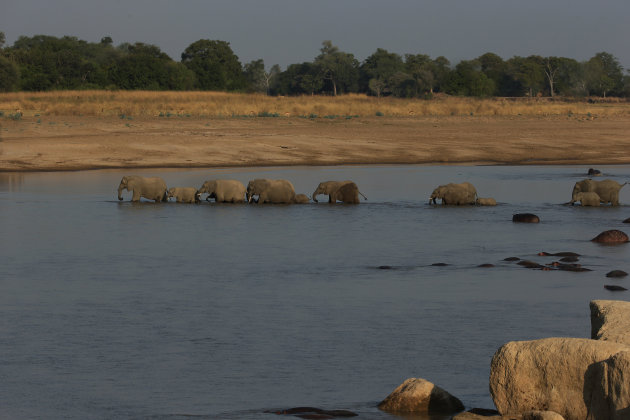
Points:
x=581, y=186
x=437, y=193
x=254, y=187
x=124, y=185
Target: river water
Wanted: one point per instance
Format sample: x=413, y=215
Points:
x=165, y=311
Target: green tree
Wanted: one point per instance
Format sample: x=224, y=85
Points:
x=300, y=79
x=421, y=68
x=467, y=79
x=604, y=74
x=381, y=65
x=528, y=72
x=256, y=77
x=9, y=75
x=340, y=69
x=214, y=64
x=2, y=39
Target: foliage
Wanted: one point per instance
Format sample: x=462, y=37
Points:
x=44, y=63
x=215, y=65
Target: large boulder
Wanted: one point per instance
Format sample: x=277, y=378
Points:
x=610, y=320
x=548, y=374
x=417, y=395
x=610, y=388
x=530, y=415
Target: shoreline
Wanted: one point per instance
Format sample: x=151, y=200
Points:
x=78, y=143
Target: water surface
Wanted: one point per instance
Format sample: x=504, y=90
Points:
x=120, y=310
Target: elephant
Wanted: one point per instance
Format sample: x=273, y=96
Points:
x=458, y=194
x=301, y=199
x=224, y=190
x=328, y=187
x=347, y=193
x=608, y=190
x=588, y=198
x=276, y=191
x=184, y=194
x=486, y=201
x=152, y=188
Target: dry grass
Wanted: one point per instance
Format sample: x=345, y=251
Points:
x=219, y=104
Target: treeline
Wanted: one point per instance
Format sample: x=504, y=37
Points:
x=42, y=63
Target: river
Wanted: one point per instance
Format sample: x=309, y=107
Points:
x=166, y=311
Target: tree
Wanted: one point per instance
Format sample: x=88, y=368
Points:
x=9, y=75
x=339, y=68
x=381, y=65
x=2, y=40
x=604, y=74
x=214, y=64
x=420, y=68
x=551, y=69
x=529, y=72
x=467, y=79
x=255, y=76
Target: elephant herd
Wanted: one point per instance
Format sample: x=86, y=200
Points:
x=275, y=191
x=280, y=191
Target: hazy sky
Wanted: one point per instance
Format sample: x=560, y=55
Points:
x=291, y=31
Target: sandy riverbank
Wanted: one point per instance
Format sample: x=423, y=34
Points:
x=51, y=143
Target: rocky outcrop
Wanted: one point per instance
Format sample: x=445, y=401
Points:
x=555, y=374
x=610, y=320
x=417, y=395
x=613, y=236
x=610, y=388
x=530, y=415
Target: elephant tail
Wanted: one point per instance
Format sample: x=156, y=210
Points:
x=364, y=197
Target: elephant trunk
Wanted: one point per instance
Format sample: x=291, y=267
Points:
x=249, y=197
x=121, y=187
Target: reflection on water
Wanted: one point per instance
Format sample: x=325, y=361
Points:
x=11, y=181
x=119, y=310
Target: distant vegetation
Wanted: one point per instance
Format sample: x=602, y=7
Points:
x=47, y=63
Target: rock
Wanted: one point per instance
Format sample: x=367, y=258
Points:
x=627, y=220
x=569, y=259
x=384, y=267
x=541, y=415
x=616, y=273
x=594, y=172
x=614, y=288
x=610, y=388
x=548, y=373
x=417, y=395
x=611, y=237
x=558, y=254
x=610, y=321
x=486, y=265
x=529, y=264
x=439, y=264
x=512, y=259
x=314, y=413
x=525, y=218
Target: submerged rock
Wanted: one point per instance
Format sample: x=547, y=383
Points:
x=614, y=288
x=616, y=273
x=525, y=218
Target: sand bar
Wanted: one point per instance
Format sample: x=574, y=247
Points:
x=59, y=143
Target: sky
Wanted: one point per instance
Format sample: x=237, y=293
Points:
x=292, y=31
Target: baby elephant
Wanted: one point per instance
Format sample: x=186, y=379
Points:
x=184, y=194
x=588, y=198
x=486, y=201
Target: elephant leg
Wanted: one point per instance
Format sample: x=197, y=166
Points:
x=135, y=196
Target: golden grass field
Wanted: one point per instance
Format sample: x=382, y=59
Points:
x=76, y=130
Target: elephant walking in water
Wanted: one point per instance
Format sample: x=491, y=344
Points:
x=607, y=190
x=184, y=194
x=458, y=194
x=276, y=191
x=152, y=188
x=331, y=188
x=224, y=190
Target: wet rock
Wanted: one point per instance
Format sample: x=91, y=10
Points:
x=512, y=259
x=487, y=265
x=627, y=220
x=384, y=267
x=558, y=254
x=614, y=288
x=610, y=320
x=616, y=273
x=530, y=264
x=439, y=264
x=572, y=267
x=525, y=218
x=417, y=395
x=612, y=236
x=314, y=413
x=594, y=172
